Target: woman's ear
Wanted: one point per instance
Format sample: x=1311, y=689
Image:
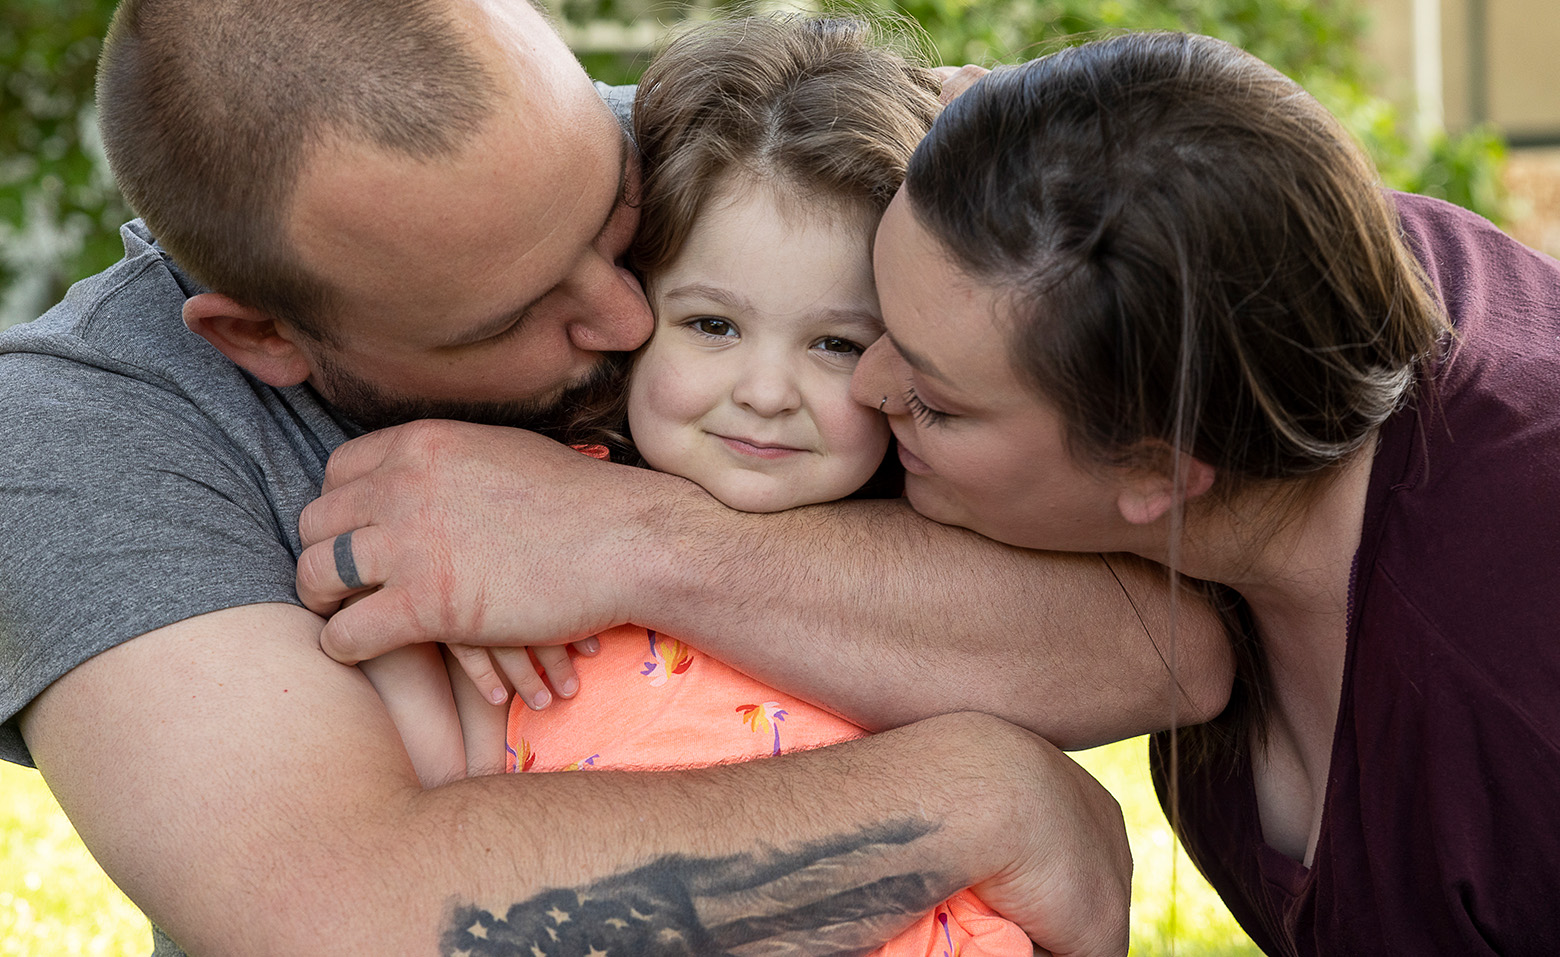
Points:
x=253, y=339
x=1147, y=494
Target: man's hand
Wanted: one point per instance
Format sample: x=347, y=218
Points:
x=470, y=533
x=957, y=79
x=1070, y=883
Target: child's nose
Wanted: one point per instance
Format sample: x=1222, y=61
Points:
x=767, y=387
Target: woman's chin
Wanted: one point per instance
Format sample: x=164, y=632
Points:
x=936, y=505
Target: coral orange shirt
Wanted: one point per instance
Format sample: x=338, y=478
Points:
x=648, y=702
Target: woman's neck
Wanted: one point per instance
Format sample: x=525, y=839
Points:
x=1289, y=556
x=1292, y=563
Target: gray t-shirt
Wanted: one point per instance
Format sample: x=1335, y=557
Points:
x=146, y=479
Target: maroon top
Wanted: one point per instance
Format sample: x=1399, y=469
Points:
x=1441, y=829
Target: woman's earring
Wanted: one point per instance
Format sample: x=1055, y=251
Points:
x=883, y=403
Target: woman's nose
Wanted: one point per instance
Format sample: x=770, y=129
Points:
x=876, y=383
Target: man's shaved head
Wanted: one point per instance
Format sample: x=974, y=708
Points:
x=210, y=108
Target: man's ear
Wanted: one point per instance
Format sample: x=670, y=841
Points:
x=254, y=340
x=1147, y=494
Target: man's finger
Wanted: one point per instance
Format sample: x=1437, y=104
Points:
x=346, y=566
x=357, y=457
x=960, y=80
x=331, y=570
x=337, y=512
x=378, y=622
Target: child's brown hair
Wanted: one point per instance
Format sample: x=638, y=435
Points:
x=821, y=107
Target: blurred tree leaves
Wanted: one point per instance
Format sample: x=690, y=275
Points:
x=59, y=211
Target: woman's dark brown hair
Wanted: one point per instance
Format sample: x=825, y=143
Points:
x=1197, y=258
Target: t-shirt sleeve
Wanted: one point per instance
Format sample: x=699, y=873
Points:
x=122, y=510
x=621, y=100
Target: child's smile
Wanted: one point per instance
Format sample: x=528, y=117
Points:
x=760, y=321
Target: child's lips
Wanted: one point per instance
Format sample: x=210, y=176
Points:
x=757, y=449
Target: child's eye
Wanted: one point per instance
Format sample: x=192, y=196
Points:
x=711, y=326
x=837, y=346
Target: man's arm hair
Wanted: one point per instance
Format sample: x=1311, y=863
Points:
x=252, y=796
x=865, y=607
x=888, y=617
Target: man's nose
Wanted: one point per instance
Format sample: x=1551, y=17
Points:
x=614, y=315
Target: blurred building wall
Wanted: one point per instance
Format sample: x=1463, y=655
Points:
x=1473, y=62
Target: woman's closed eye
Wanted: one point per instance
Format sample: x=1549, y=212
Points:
x=923, y=413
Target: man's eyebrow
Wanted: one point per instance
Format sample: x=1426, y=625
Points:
x=915, y=360
x=503, y=322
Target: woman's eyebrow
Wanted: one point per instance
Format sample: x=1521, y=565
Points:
x=916, y=361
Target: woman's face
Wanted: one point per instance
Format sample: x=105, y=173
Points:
x=979, y=448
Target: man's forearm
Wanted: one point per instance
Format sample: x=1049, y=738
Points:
x=720, y=860
x=871, y=610
x=493, y=536
x=253, y=797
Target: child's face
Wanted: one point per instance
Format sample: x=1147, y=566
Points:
x=744, y=387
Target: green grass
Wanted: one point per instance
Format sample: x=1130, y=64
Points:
x=54, y=899
x=56, y=902
x=1183, y=917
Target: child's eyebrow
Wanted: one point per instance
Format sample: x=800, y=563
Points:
x=703, y=290
x=738, y=303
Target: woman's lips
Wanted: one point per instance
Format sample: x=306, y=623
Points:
x=911, y=462
x=757, y=449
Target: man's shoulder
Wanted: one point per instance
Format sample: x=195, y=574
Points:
x=621, y=100
x=127, y=319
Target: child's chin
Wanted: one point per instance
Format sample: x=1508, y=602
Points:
x=764, y=500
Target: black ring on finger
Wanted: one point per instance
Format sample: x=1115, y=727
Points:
x=346, y=568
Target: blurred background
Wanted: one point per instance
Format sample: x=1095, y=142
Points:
x=1455, y=98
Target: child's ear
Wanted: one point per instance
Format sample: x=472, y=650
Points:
x=253, y=339
x=1147, y=494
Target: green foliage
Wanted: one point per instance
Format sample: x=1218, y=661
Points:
x=1316, y=42
x=54, y=899
x=59, y=210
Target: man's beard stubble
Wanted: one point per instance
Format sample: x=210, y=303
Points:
x=598, y=398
